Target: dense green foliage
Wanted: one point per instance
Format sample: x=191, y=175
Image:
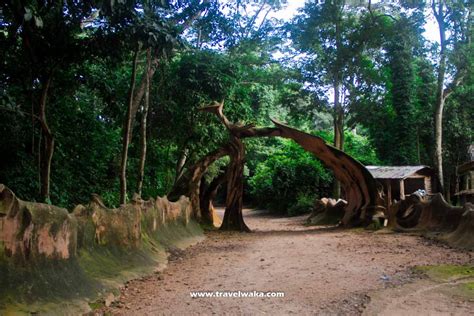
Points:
x=79, y=56
x=288, y=179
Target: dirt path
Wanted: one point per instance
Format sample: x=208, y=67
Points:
x=321, y=271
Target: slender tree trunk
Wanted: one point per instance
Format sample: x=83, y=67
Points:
x=440, y=99
x=143, y=126
x=127, y=131
x=338, y=110
x=233, y=218
x=140, y=91
x=418, y=151
x=47, y=148
x=338, y=132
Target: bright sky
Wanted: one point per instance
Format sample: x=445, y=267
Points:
x=290, y=10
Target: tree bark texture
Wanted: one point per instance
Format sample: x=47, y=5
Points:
x=47, y=148
x=440, y=98
x=190, y=182
x=233, y=217
x=143, y=127
x=207, y=196
x=127, y=131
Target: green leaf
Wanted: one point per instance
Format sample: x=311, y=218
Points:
x=28, y=14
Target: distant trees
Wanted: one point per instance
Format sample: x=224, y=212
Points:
x=378, y=58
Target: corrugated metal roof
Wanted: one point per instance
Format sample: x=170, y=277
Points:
x=393, y=172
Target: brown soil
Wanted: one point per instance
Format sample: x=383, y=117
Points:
x=322, y=270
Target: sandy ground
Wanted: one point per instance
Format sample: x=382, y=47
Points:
x=321, y=271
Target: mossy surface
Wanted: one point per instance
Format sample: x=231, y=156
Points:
x=56, y=286
x=326, y=218
x=447, y=272
x=45, y=282
x=374, y=225
x=456, y=280
x=469, y=287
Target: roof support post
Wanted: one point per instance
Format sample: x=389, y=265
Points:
x=402, y=189
x=389, y=192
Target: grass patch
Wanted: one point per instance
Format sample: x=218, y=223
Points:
x=96, y=305
x=470, y=287
x=447, y=272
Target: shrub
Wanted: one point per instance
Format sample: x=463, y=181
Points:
x=290, y=178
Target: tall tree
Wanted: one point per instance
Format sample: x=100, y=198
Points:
x=326, y=32
x=400, y=49
x=158, y=28
x=455, y=17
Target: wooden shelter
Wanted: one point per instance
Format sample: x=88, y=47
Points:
x=399, y=181
x=465, y=184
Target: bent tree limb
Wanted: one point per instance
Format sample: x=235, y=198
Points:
x=362, y=191
x=207, y=195
x=189, y=183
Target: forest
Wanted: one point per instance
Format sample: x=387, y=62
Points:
x=104, y=96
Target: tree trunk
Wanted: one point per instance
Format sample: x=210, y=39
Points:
x=440, y=98
x=363, y=193
x=338, y=133
x=47, y=148
x=233, y=218
x=208, y=194
x=148, y=74
x=338, y=110
x=189, y=184
x=127, y=131
x=143, y=125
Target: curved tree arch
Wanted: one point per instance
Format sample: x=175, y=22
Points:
x=363, y=194
x=189, y=183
